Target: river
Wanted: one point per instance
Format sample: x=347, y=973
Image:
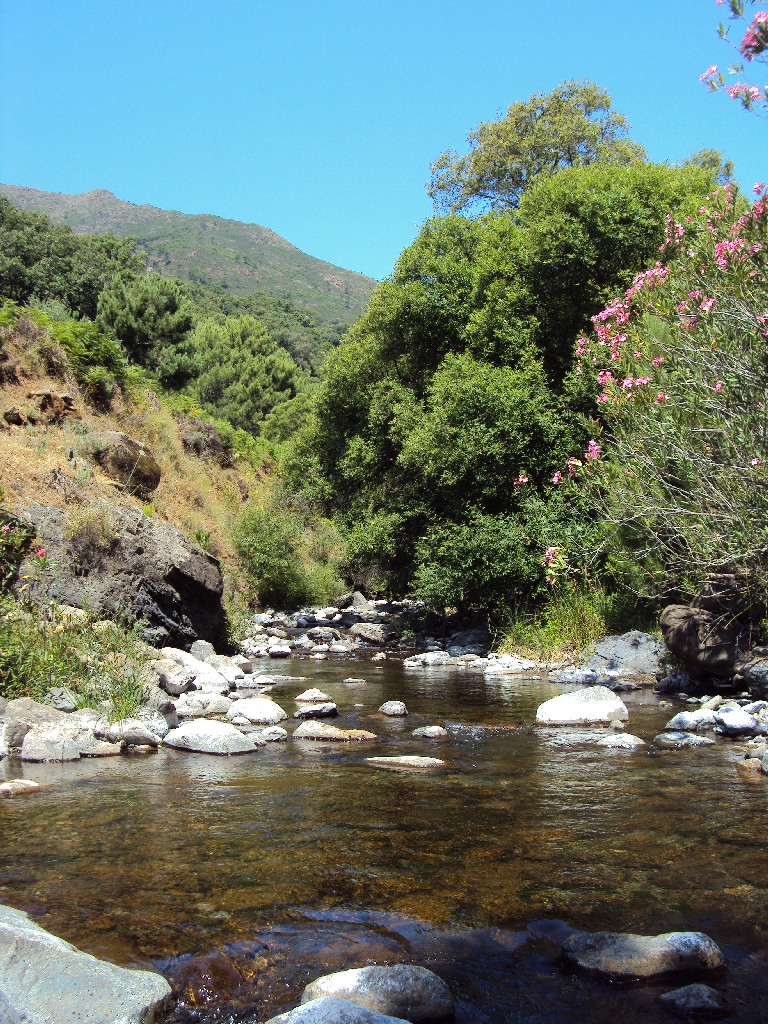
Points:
x=242, y=878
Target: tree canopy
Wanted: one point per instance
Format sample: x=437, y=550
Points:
x=572, y=126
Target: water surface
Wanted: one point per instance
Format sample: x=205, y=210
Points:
x=266, y=867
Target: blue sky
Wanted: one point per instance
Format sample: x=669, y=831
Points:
x=320, y=119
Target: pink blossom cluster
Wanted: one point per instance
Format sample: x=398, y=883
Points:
x=756, y=37
x=743, y=91
x=520, y=480
x=549, y=556
x=727, y=250
x=711, y=71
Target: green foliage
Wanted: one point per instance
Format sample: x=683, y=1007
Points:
x=287, y=418
x=298, y=330
x=150, y=317
x=573, y=619
x=242, y=372
x=48, y=262
x=96, y=360
x=289, y=560
x=15, y=538
x=49, y=646
x=684, y=404
x=572, y=126
x=445, y=413
x=227, y=256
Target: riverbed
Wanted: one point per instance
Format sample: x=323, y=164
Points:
x=242, y=878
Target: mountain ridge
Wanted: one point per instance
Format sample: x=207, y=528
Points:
x=238, y=257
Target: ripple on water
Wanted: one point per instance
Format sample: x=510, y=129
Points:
x=184, y=856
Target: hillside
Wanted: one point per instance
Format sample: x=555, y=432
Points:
x=236, y=257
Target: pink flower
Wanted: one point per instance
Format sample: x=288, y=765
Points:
x=756, y=462
x=643, y=380
x=661, y=397
x=593, y=452
x=520, y=480
x=602, y=399
x=557, y=478
x=6, y=527
x=657, y=361
x=758, y=187
x=573, y=464
x=718, y=387
x=706, y=305
x=709, y=73
x=627, y=383
x=605, y=377
x=40, y=553
x=549, y=556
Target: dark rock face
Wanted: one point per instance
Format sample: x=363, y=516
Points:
x=150, y=572
x=704, y=642
x=204, y=441
x=128, y=462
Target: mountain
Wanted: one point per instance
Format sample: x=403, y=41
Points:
x=238, y=258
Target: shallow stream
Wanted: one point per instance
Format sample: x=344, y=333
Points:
x=242, y=878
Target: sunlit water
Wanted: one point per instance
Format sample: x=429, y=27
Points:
x=242, y=878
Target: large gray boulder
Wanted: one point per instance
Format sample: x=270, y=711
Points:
x=44, y=980
x=633, y=656
x=24, y=714
x=370, y=633
x=324, y=732
x=594, y=705
x=622, y=956
x=333, y=1011
x=129, y=462
x=147, y=572
x=706, y=644
x=206, y=737
x=413, y=993
x=258, y=711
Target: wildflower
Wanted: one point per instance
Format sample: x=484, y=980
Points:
x=549, y=556
x=657, y=361
x=520, y=480
x=573, y=465
x=605, y=377
x=756, y=37
x=758, y=187
x=643, y=380
x=661, y=397
x=718, y=387
x=40, y=553
x=627, y=383
x=603, y=398
x=557, y=478
x=709, y=73
x=6, y=527
x=755, y=462
x=593, y=451
x=706, y=305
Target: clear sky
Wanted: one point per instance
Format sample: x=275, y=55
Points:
x=320, y=118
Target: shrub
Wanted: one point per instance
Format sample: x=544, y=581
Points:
x=678, y=365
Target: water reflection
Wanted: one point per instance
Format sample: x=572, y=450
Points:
x=176, y=854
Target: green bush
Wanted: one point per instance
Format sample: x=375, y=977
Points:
x=47, y=646
x=289, y=562
x=678, y=367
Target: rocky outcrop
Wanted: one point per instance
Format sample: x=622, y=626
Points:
x=147, y=571
x=707, y=644
x=618, y=662
x=44, y=980
x=623, y=956
x=130, y=463
x=413, y=993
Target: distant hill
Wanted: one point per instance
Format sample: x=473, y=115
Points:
x=238, y=258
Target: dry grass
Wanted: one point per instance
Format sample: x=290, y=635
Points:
x=52, y=464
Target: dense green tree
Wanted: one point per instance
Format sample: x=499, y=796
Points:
x=445, y=413
x=242, y=373
x=40, y=261
x=151, y=317
x=572, y=126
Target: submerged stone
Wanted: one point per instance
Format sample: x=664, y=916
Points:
x=413, y=993
x=621, y=955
